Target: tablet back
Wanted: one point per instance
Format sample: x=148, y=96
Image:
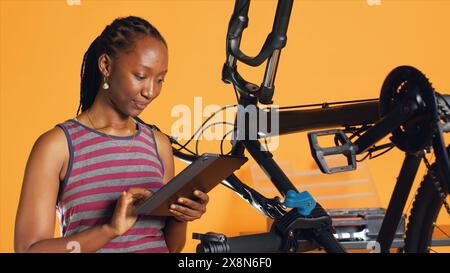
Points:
x=203, y=174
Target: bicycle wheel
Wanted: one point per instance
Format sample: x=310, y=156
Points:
x=424, y=213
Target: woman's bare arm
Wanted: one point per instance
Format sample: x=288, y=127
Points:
x=174, y=232
x=185, y=209
x=35, y=219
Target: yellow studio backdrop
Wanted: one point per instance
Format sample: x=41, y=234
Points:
x=336, y=50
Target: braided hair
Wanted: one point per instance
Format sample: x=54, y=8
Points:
x=119, y=36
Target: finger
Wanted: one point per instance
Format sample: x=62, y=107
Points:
x=129, y=201
x=138, y=200
x=186, y=211
x=122, y=203
x=180, y=216
x=203, y=196
x=134, y=191
x=138, y=195
x=192, y=204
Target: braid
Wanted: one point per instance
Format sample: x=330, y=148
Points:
x=119, y=36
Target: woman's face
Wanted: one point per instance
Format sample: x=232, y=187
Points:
x=136, y=77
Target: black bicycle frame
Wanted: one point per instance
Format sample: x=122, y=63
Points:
x=350, y=114
x=345, y=115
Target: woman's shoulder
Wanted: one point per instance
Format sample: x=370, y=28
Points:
x=50, y=151
x=164, y=149
x=163, y=144
x=161, y=139
x=59, y=131
x=53, y=139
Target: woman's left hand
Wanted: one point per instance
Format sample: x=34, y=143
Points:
x=189, y=210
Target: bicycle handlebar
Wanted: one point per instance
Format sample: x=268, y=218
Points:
x=275, y=40
x=270, y=51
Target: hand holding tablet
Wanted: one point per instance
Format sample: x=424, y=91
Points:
x=203, y=174
x=189, y=210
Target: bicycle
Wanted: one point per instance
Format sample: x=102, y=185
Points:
x=408, y=109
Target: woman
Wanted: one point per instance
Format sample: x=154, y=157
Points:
x=98, y=166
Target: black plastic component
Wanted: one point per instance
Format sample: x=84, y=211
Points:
x=345, y=148
x=268, y=242
x=211, y=243
x=318, y=218
x=265, y=95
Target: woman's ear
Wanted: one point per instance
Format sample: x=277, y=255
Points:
x=104, y=64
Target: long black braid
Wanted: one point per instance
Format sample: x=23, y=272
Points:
x=119, y=36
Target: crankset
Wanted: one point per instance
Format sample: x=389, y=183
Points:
x=408, y=82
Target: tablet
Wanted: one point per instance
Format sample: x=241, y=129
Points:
x=203, y=174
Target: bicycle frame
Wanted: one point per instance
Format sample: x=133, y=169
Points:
x=294, y=121
x=350, y=114
x=344, y=115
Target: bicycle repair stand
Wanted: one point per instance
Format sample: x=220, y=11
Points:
x=355, y=229
x=293, y=232
x=359, y=228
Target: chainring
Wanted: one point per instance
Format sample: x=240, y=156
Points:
x=416, y=133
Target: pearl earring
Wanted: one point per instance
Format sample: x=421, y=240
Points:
x=105, y=84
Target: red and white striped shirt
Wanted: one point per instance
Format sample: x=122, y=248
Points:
x=101, y=167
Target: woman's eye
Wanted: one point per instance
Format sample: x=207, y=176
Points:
x=140, y=77
x=160, y=80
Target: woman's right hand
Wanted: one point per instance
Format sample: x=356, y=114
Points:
x=124, y=218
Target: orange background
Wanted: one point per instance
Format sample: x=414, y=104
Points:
x=336, y=50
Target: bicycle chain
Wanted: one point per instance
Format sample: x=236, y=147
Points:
x=444, y=114
x=437, y=185
x=443, y=111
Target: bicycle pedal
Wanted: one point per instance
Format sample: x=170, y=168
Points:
x=345, y=148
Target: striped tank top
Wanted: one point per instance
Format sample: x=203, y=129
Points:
x=101, y=167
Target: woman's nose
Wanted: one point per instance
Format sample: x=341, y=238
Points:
x=150, y=92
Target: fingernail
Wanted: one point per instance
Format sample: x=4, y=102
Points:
x=197, y=192
x=181, y=200
x=173, y=206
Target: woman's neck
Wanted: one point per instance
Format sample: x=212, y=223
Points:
x=103, y=115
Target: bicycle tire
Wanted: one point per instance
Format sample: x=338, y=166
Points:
x=425, y=210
